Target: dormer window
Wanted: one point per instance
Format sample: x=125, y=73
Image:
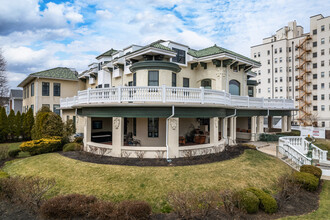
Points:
x=180, y=56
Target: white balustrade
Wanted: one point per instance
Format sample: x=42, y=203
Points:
x=167, y=94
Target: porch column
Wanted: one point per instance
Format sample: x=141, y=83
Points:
x=87, y=130
x=232, y=130
x=289, y=124
x=254, y=128
x=260, y=124
x=270, y=123
x=173, y=137
x=214, y=130
x=284, y=123
x=117, y=135
x=224, y=129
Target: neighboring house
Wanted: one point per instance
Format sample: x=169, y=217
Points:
x=15, y=101
x=296, y=65
x=45, y=88
x=172, y=100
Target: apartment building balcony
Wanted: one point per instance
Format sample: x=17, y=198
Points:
x=164, y=95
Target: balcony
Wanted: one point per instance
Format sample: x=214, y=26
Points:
x=171, y=95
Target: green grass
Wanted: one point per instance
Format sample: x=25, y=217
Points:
x=14, y=146
x=323, y=212
x=152, y=184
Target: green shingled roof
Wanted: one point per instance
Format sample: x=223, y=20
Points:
x=58, y=73
x=107, y=53
x=215, y=50
x=160, y=46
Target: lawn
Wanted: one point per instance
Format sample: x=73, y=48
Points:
x=14, y=146
x=324, y=144
x=152, y=184
x=323, y=212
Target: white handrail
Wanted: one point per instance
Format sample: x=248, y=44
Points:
x=165, y=94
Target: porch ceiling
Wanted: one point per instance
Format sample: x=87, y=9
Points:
x=180, y=112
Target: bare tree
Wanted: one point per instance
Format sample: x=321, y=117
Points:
x=3, y=81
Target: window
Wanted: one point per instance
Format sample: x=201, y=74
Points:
x=259, y=90
x=315, y=44
x=108, y=85
x=255, y=55
x=134, y=79
x=323, y=124
x=45, y=89
x=314, y=97
x=281, y=79
x=322, y=40
x=134, y=126
x=281, y=59
x=173, y=79
x=280, y=49
x=290, y=69
x=322, y=52
x=57, y=89
x=32, y=89
x=234, y=87
x=275, y=70
x=322, y=85
x=276, y=90
x=322, y=97
x=250, y=91
x=314, y=87
x=186, y=82
x=153, y=127
x=281, y=89
x=322, y=63
x=180, y=56
x=258, y=54
x=276, y=79
x=96, y=124
x=268, y=90
x=46, y=105
x=281, y=69
x=268, y=61
x=314, y=31
x=322, y=107
x=275, y=60
x=315, y=54
x=275, y=50
x=322, y=27
x=32, y=107
x=314, y=65
x=206, y=83
x=56, y=109
x=322, y=74
x=289, y=49
x=268, y=52
x=314, y=76
x=27, y=92
x=153, y=78
x=268, y=80
x=314, y=107
x=290, y=78
x=268, y=70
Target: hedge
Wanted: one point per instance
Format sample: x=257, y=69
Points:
x=42, y=145
x=71, y=147
x=248, y=201
x=308, y=181
x=312, y=170
x=267, y=202
x=14, y=153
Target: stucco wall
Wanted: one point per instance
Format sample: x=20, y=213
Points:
x=142, y=133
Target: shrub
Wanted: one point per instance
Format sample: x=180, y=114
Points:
x=102, y=210
x=3, y=174
x=288, y=188
x=268, y=137
x=229, y=200
x=267, y=202
x=190, y=204
x=4, y=152
x=312, y=170
x=28, y=191
x=68, y=206
x=248, y=201
x=308, y=181
x=133, y=210
x=72, y=147
x=41, y=146
x=14, y=153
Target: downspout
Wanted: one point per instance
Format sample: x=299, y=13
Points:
x=227, y=73
x=36, y=97
x=223, y=121
x=167, y=120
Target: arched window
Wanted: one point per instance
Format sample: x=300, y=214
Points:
x=234, y=87
x=206, y=83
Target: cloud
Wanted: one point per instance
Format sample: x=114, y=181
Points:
x=35, y=35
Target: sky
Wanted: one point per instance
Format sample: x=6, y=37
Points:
x=37, y=35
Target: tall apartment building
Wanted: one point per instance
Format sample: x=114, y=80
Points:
x=296, y=65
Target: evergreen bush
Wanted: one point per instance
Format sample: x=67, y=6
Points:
x=267, y=202
x=312, y=170
x=308, y=181
x=248, y=201
x=41, y=146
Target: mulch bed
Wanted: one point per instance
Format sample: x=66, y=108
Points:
x=227, y=154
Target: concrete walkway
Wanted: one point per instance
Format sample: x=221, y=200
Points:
x=270, y=149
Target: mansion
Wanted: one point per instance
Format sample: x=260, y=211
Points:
x=166, y=100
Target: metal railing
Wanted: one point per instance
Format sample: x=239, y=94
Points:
x=165, y=94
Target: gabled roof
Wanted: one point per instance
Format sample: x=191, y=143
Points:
x=216, y=50
x=16, y=93
x=55, y=73
x=107, y=53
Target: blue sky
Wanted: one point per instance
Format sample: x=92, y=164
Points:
x=42, y=34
